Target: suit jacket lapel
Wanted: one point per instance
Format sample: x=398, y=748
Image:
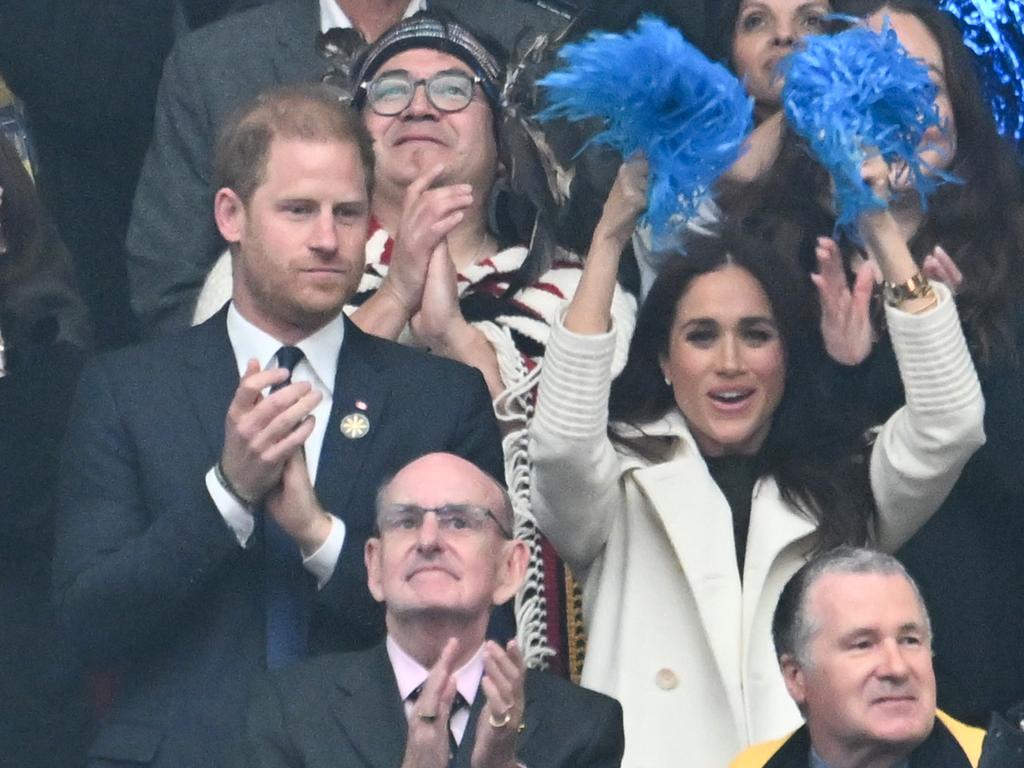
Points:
x=794, y=753
x=939, y=749
x=297, y=60
x=358, y=383
x=368, y=709
x=211, y=377
x=532, y=718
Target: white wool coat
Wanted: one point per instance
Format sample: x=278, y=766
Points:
x=672, y=631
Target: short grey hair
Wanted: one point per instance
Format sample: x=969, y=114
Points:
x=793, y=629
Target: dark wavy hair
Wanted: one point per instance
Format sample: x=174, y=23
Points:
x=815, y=448
x=719, y=45
x=979, y=222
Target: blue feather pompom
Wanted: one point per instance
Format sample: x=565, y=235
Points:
x=658, y=94
x=855, y=93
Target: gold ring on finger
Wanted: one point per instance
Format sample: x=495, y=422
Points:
x=426, y=717
x=505, y=719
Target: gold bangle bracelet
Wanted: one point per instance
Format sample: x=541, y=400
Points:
x=915, y=287
x=934, y=301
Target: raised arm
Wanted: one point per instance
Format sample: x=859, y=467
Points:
x=590, y=309
x=920, y=451
x=576, y=489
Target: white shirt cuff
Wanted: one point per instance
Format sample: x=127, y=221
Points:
x=321, y=563
x=237, y=516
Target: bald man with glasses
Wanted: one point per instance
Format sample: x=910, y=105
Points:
x=435, y=693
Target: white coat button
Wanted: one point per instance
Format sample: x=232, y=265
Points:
x=666, y=679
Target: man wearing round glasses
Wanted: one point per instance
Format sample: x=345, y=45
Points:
x=434, y=694
x=450, y=91
x=428, y=91
x=438, y=273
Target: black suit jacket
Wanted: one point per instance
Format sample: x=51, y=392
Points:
x=939, y=750
x=149, y=577
x=345, y=710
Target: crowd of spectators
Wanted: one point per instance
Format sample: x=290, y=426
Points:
x=267, y=255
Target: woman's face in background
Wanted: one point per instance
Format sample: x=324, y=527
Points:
x=725, y=361
x=922, y=45
x=765, y=32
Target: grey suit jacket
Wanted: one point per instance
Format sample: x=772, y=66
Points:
x=345, y=710
x=172, y=238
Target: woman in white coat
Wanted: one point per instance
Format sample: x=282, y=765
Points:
x=685, y=494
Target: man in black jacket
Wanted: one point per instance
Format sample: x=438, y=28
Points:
x=435, y=694
x=853, y=640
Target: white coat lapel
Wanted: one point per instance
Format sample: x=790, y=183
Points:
x=774, y=526
x=698, y=522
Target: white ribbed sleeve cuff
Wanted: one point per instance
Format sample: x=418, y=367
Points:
x=935, y=365
x=573, y=395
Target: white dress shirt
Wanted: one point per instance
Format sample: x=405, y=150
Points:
x=410, y=675
x=318, y=366
x=332, y=16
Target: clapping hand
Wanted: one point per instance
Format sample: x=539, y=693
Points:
x=262, y=433
x=429, y=214
x=294, y=506
x=427, y=742
x=439, y=321
x=501, y=718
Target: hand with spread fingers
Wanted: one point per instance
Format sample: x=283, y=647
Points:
x=262, y=432
x=426, y=745
x=501, y=719
x=939, y=266
x=845, y=311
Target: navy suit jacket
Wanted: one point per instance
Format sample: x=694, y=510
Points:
x=147, y=575
x=345, y=710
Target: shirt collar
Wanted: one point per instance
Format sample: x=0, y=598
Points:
x=332, y=16
x=410, y=674
x=817, y=762
x=319, y=348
